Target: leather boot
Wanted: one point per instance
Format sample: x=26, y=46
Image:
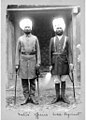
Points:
x=33, y=101
x=63, y=97
x=32, y=92
x=25, y=91
x=26, y=101
x=57, y=89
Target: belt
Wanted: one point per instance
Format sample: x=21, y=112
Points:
x=55, y=53
x=27, y=53
x=61, y=56
x=23, y=56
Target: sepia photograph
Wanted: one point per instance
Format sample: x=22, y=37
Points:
x=43, y=62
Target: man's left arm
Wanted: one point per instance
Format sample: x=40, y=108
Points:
x=38, y=56
x=70, y=55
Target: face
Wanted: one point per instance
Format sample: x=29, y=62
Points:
x=59, y=31
x=27, y=30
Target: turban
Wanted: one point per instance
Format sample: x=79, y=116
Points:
x=58, y=22
x=25, y=22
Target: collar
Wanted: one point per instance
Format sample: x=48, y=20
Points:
x=59, y=37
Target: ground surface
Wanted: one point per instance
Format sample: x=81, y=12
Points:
x=47, y=93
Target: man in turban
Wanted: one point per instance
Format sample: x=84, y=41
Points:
x=28, y=60
x=61, y=60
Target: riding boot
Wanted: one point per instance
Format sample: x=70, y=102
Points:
x=63, y=97
x=26, y=94
x=32, y=92
x=57, y=89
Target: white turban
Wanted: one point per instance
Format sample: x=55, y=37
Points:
x=25, y=22
x=58, y=22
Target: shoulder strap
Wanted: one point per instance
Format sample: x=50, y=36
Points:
x=54, y=43
x=64, y=42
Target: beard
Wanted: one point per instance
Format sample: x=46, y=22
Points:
x=59, y=33
x=27, y=32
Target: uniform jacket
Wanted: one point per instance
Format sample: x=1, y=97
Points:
x=27, y=56
x=60, y=55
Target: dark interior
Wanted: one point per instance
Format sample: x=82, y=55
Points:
x=42, y=26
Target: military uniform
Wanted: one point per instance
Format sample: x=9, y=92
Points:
x=27, y=57
x=60, y=56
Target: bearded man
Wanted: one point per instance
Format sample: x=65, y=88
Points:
x=61, y=60
x=28, y=60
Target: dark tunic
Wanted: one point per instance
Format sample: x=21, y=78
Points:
x=60, y=55
x=27, y=56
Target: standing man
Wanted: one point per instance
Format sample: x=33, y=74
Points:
x=61, y=60
x=28, y=60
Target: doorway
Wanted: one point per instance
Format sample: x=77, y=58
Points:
x=42, y=27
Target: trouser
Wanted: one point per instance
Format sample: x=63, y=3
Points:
x=28, y=87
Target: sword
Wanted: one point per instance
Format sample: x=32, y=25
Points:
x=15, y=89
x=37, y=75
x=38, y=85
x=72, y=80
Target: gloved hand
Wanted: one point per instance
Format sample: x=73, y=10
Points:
x=50, y=68
x=17, y=68
x=37, y=69
x=71, y=66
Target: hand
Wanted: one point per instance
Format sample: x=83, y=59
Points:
x=37, y=69
x=50, y=68
x=37, y=66
x=71, y=67
x=17, y=68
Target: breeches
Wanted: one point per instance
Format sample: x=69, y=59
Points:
x=58, y=79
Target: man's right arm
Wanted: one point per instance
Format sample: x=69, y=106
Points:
x=50, y=54
x=18, y=47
